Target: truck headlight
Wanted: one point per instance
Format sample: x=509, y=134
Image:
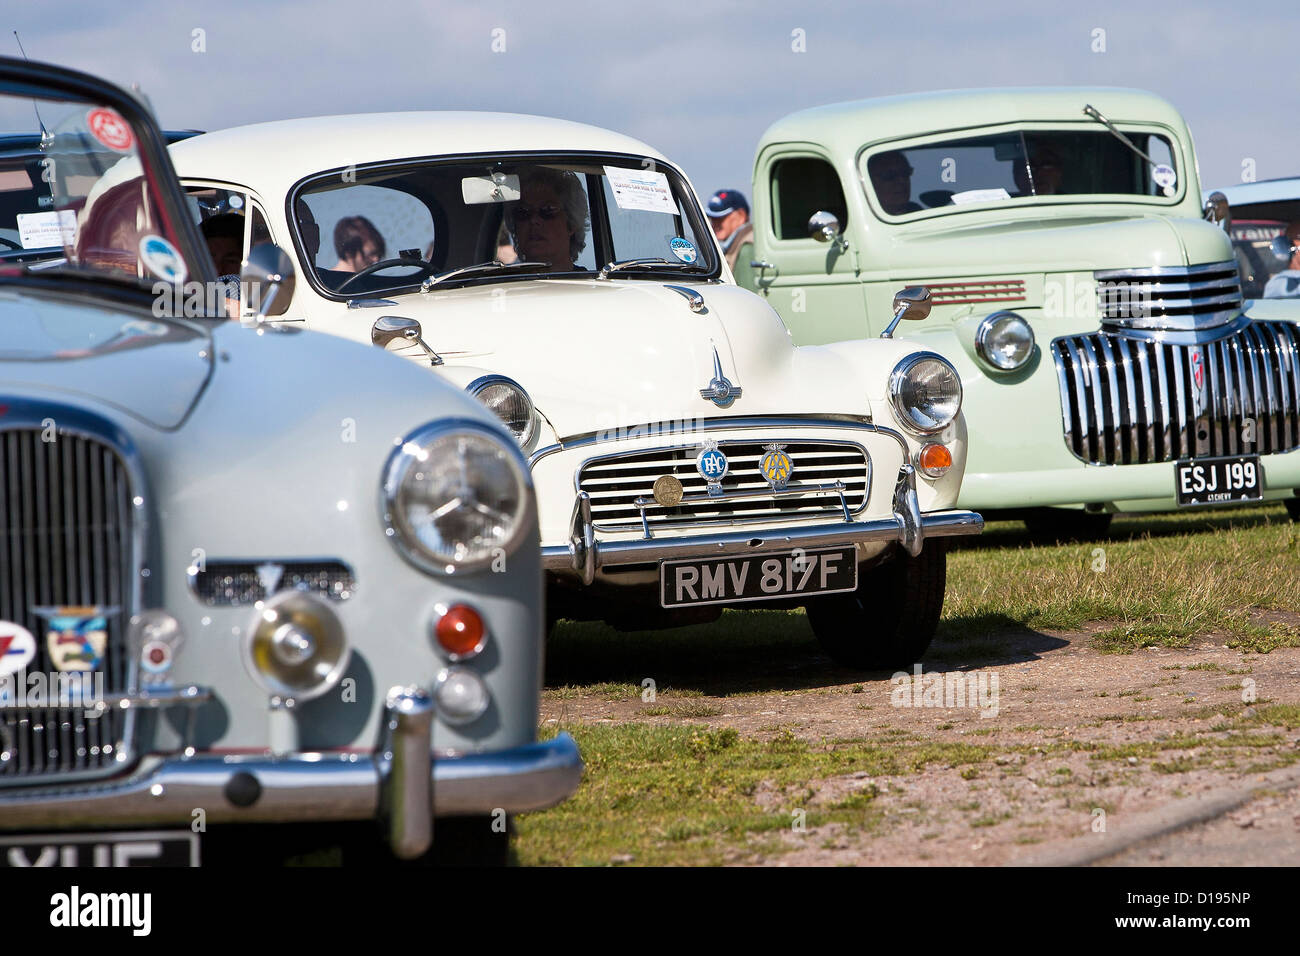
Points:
x=926, y=392
x=508, y=401
x=454, y=497
x=1005, y=340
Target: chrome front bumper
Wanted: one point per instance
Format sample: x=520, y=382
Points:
x=403, y=784
x=584, y=554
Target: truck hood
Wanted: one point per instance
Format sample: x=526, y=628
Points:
x=152, y=370
x=1071, y=245
x=597, y=355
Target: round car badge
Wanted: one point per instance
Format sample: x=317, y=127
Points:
x=110, y=129
x=776, y=466
x=17, y=647
x=683, y=249
x=161, y=258
x=711, y=464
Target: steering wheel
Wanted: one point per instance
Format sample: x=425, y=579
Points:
x=11, y=244
x=425, y=267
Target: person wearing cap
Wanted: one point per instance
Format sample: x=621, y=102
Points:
x=729, y=216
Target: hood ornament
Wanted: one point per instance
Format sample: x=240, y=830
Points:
x=720, y=391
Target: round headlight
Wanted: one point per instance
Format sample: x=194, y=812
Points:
x=454, y=497
x=1005, y=341
x=509, y=402
x=926, y=392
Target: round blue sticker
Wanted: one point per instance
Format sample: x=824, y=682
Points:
x=161, y=258
x=683, y=249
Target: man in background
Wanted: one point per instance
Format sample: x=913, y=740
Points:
x=1286, y=284
x=728, y=214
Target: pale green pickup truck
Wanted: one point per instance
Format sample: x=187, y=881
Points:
x=1109, y=361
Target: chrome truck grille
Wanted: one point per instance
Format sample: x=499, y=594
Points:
x=615, y=482
x=65, y=539
x=1182, y=298
x=1127, y=401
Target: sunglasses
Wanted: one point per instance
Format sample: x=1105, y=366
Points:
x=527, y=213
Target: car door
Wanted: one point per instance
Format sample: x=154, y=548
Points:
x=815, y=286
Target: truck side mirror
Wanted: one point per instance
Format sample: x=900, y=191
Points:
x=824, y=227
x=911, y=303
x=1217, y=210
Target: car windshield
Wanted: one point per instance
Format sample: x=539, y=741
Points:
x=1016, y=165
x=436, y=224
x=75, y=196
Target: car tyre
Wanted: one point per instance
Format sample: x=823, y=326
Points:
x=889, y=621
x=470, y=841
x=1293, y=508
x=1061, y=526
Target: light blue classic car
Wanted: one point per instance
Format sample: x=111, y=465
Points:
x=249, y=575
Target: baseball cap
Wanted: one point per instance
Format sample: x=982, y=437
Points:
x=726, y=201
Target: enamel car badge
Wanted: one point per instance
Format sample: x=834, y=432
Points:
x=712, y=465
x=776, y=466
x=76, y=636
x=720, y=391
x=17, y=647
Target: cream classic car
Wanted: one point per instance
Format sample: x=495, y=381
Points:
x=241, y=618
x=687, y=456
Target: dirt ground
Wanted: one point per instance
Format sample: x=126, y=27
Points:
x=1043, y=784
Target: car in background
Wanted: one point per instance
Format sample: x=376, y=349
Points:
x=1108, y=360
x=241, y=615
x=1260, y=214
x=687, y=456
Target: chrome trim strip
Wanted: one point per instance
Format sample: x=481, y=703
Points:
x=1168, y=432
x=1228, y=265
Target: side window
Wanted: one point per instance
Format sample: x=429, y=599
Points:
x=802, y=186
x=220, y=215
x=363, y=224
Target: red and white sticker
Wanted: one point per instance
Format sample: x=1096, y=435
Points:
x=110, y=129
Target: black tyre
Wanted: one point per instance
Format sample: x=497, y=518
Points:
x=889, y=621
x=1293, y=508
x=1058, y=525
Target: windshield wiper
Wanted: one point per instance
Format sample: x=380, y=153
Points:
x=494, y=265
x=651, y=263
x=1092, y=111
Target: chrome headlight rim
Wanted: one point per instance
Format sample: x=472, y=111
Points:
x=403, y=457
x=528, y=440
x=899, y=376
x=986, y=328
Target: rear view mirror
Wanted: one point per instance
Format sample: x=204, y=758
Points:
x=496, y=187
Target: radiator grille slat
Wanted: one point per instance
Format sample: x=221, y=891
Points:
x=614, y=482
x=66, y=538
x=1178, y=297
x=1129, y=401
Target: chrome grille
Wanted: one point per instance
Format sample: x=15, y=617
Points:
x=1184, y=298
x=1126, y=401
x=65, y=539
x=614, y=482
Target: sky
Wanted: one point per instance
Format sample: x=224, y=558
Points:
x=699, y=81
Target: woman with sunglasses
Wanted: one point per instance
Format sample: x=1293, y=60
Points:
x=549, y=222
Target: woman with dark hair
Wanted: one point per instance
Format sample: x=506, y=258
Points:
x=358, y=244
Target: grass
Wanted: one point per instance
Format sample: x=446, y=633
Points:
x=691, y=794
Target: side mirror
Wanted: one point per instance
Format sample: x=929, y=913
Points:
x=1217, y=210
x=268, y=275
x=1281, y=247
x=911, y=303
x=398, y=328
x=824, y=227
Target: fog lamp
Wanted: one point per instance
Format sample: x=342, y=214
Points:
x=295, y=646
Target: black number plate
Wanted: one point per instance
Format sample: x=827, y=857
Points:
x=1219, y=481
x=761, y=577
x=152, y=848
